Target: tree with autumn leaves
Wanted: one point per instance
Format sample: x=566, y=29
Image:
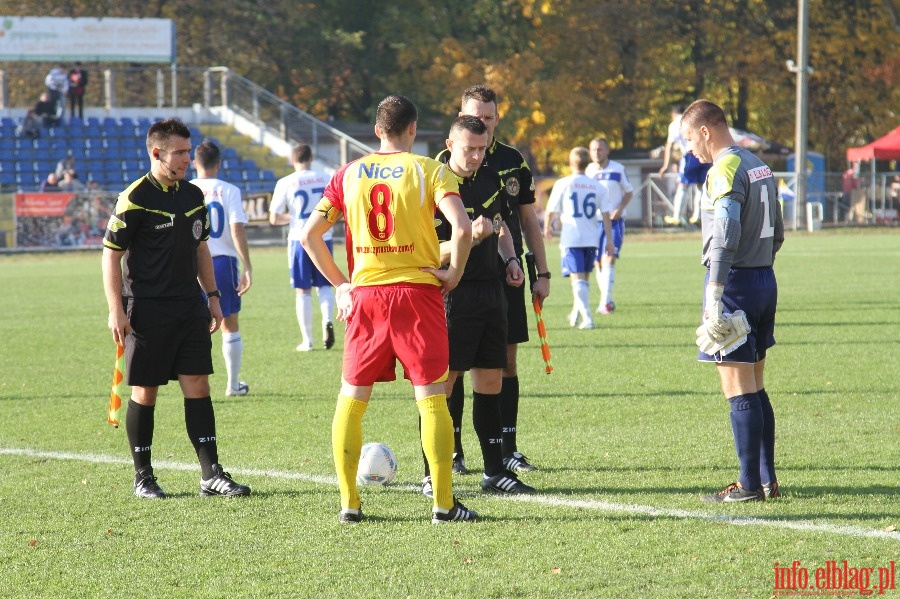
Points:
x=566, y=70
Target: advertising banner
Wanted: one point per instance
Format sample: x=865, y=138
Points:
x=61, y=220
x=46, y=39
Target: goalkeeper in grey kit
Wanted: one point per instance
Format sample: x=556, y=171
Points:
x=742, y=231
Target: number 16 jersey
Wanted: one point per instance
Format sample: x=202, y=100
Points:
x=388, y=202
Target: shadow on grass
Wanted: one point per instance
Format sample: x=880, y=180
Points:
x=791, y=493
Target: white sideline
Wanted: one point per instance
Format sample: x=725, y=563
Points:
x=602, y=506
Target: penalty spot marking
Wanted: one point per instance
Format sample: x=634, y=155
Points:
x=600, y=506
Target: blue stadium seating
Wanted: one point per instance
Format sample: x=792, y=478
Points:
x=107, y=150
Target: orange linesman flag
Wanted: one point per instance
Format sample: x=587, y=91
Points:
x=541, y=327
x=542, y=333
x=118, y=388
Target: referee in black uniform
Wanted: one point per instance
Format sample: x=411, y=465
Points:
x=518, y=189
x=476, y=309
x=156, y=266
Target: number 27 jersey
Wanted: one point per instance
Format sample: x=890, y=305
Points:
x=388, y=202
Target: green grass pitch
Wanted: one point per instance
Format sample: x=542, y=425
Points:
x=627, y=431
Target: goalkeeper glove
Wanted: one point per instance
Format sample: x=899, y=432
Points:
x=739, y=326
x=717, y=326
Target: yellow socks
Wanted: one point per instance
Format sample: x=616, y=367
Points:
x=346, y=443
x=437, y=443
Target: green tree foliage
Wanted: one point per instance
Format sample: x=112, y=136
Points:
x=566, y=70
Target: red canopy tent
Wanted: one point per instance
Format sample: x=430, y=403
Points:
x=883, y=148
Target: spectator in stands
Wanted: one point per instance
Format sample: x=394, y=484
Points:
x=45, y=110
x=30, y=126
x=65, y=164
x=51, y=183
x=69, y=233
x=70, y=182
x=100, y=211
x=78, y=80
x=57, y=83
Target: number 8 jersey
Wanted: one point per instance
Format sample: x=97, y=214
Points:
x=739, y=175
x=388, y=202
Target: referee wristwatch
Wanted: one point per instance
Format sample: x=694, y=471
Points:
x=214, y=293
x=544, y=275
x=514, y=259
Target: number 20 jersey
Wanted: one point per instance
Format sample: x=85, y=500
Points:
x=388, y=202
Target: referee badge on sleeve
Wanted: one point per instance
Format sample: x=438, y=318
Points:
x=512, y=186
x=115, y=223
x=197, y=229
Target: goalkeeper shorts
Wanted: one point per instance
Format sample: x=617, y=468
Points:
x=754, y=291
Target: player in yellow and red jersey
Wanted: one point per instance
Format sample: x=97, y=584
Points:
x=392, y=302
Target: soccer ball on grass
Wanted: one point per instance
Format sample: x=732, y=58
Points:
x=377, y=465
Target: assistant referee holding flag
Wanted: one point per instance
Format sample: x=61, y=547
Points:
x=156, y=266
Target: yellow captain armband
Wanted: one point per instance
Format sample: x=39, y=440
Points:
x=329, y=212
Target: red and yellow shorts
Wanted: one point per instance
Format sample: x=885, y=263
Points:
x=402, y=322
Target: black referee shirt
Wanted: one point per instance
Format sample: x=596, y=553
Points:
x=159, y=229
x=481, y=196
x=518, y=184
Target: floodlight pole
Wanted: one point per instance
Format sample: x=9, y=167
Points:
x=801, y=68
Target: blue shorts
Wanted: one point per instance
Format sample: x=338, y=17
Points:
x=754, y=291
x=618, y=234
x=691, y=171
x=304, y=274
x=578, y=260
x=227, y=280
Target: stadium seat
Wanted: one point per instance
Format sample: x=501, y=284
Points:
x=45, y=165
x=27, y=153
x=93, y=123
x=25, y=166
x=126, y=122
x=7, y=178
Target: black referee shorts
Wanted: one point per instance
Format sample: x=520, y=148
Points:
x=166, y=340
x=476, y=324
x=516, y=314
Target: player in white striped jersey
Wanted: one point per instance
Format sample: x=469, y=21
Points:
x=582, y=203
x=742, y=231
x=227, y=244
x=612, y=175
x=293, y=200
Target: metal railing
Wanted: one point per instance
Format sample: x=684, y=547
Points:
x=825, y=201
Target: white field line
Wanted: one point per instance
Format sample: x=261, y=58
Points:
x=600, y=506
